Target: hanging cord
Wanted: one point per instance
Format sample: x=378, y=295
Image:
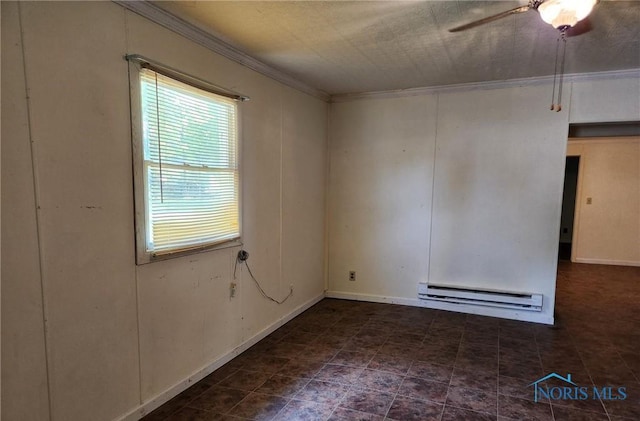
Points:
x=555, y=75
x=563, y=34
x=159, y=144
x=243, y=257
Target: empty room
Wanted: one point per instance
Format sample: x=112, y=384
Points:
x=320, y=210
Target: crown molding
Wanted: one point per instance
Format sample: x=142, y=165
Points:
x=163, y=18
x=429, y=90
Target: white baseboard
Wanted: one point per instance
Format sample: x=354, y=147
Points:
x=524, y=316
x=374, y=298
x=168, y=394
x=606, y=262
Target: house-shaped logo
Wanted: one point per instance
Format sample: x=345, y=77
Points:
x=547, y=377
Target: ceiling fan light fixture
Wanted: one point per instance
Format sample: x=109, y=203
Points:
x=565, y=13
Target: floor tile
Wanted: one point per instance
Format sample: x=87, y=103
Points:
x=279, y=385
x=590, y=405
x=518, y=388
x=521, y=369
x=219, y=375
x=352, y=358
x=570, y=414
x=304, y=410
x=344, y=414
x=456, y=414
x=369, y=401
x=288, y=350
x=218, y=399
x=472, y=399
x=379, y=380
x=339, y=373
x=627, y=408
x=245, y=380
x=390, y=363
x=300, y=337
x=318, y=354
x=301, y=368
x=323, y=392
x=523, y=409
x=475, y=379
x=411, y=409
x=423, y=389
x=431, y=371
x=477, y=363
x=265, y=364
x=394, y=349
x=475, y=350
x=191, y=414
x=178, y=402
x=406, y=339
x=257, y=406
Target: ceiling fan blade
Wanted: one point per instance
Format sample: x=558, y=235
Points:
x=580, y=28
x=488, y=19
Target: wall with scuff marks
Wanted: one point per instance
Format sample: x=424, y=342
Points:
x=86, y=333
x=456, y=188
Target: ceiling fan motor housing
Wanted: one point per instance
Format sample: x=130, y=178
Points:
x=563, y=14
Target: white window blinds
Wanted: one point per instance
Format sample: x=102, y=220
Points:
x=190, y=166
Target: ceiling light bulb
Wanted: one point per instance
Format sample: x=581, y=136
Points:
x=563, y=13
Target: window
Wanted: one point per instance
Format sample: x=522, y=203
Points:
x=186, y=167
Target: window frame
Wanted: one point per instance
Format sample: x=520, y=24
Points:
x=143, y=256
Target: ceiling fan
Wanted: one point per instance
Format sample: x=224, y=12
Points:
x=561, y=14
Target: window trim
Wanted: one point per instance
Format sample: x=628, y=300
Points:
x=138, y=168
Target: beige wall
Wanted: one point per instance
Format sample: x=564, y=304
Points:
x=117, y=334
x=607, y=231
x=480, y=210
x=382, y=154
x=24, y=363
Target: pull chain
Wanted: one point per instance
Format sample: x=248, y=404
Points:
x=559, y=79
x=563, y=33
x=555, y=75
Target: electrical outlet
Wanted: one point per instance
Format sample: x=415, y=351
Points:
x=232, y=289
x=352, y=275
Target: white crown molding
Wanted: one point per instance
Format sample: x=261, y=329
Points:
x=576, y=77
x=163, y=18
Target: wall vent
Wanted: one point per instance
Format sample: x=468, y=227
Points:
x=480, y=297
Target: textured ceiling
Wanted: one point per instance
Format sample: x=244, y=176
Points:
x=348, y=47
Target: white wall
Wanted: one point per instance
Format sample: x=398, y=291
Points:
x=608, y=229
x=117, y=334
x=494, y=210
x=380, y=188
x=597, y=101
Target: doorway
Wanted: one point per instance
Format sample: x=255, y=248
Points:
x=568, y=207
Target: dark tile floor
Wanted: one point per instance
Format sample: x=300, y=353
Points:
x=345, y=360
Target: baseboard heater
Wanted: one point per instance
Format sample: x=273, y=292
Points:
x=480, y=297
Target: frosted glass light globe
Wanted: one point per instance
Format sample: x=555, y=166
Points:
x=562, y=13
